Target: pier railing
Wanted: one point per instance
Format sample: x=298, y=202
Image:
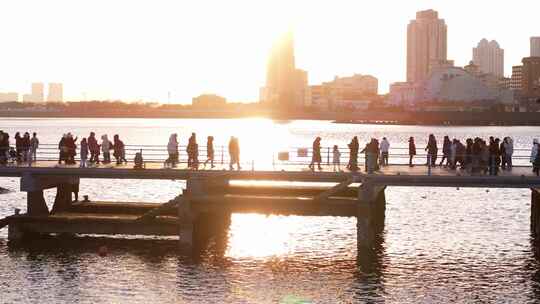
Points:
x=293, y=156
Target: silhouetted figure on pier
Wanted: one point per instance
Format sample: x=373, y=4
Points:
x=316, y=157
x=71, y=145
x=84, y=153
x=372, y=151
x=412, y=151
x=507, y=151
x=468, y=154
x=93, y=147
x=354, y=147
x=234, y=153
x=432, y=150
x=209, y=151
x=106, y=147
x=385, y=149
x=193, y=152
x=4, y=147
x=447, y=145
x=34, y=145
x=172, y=149
x=63, y=149
x=535, y=157
x=494, y=156
x=18, y=146
x=336, y=156
x=119, y=150
x=459, y=157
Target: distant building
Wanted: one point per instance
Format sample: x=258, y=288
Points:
x=426, y=43
x=37, y=92
x=9, y=97
x=209, y=101
x=531, y=77
x=56, y=92
x=354, y=92
x=535, y=46
x=517, y=77
x=489, y=57
x=403, y=93
x=286, y=86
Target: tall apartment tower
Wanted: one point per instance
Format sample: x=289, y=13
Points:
x=535, y=46
x=285, y=85
x=426, y=44
x=489, y=57
x=56, y=92
x=37, y=92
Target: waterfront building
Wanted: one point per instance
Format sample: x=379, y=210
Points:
x=37, y=92
x=402, y=93
x=489, y=57
x=426, y=43
x=535, y=46
x=56, y=92
x=286, y=86
x=531, y=77
x=9, y=97
x=517, y=76
x=353, y=92
x=208, y=101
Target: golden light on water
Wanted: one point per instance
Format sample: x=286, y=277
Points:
x=259, y=236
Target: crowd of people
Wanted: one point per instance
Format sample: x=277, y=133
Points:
x=473, y=155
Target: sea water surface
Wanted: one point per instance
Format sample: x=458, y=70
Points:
x=439, y=244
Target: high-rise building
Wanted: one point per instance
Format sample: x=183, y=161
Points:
x=37, y=92
x=535, y=46
x=517, y=76
x=489, y=57
x=56, y=92
x=426, y=43
x=531, y=77
x=285, y=85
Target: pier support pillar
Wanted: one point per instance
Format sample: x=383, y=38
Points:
x=535, y=213
x=35, y=203
x=371, y=216
x=63, y=199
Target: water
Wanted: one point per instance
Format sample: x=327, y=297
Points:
x=439, y=244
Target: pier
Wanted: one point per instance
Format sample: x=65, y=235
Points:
x=210, y=196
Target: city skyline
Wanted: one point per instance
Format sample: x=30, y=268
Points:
x=120, y=60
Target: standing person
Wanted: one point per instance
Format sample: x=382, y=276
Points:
x=18, y=146
x=191, y=149
x=509, y=151
x=372, y=151
x=93, y=146
x=119, y=150
x=210, y=151
x=234, y=153
x=4, y=147
x=84, y=152
x=384, y=147
x=106, y=147
x=25, y=145
x=172, y=149
x=412, y=151
x=452, y=155
x=432, y=150
x=62, y=147
x=446, y=151
x=353, y=154
x=316, y=157
x=534, y=157
x=71, y=149
x=34, y=145
x=494, y=156
x=336, y=157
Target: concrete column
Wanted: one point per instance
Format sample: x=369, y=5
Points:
x=63, y=199
x=35, y=203
x=371, y=215
x=187, y=219
x=535, y=213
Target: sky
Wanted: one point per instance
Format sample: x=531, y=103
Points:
x=146, y=50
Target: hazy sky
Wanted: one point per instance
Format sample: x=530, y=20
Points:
x=143, y=49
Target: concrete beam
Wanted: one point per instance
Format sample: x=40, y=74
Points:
x=31, y=182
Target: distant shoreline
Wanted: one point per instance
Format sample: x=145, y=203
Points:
x=382, y=118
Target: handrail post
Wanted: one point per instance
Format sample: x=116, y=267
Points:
x=328, y=156
x=222, y=152
x=429, y=164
